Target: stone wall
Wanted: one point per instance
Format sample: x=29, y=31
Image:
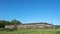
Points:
x=41, y=26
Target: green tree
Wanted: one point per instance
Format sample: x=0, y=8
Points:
x=3, y=23
x=15, y=23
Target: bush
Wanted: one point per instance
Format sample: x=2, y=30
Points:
x=1, y=29
x=8, y=29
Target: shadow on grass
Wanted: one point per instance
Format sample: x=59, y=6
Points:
x=58, y=32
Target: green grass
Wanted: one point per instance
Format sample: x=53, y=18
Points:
x=32, y=31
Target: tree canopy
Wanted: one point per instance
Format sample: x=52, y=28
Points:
x=15, y=22
x=12, y=22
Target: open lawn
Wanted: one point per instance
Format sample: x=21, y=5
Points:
x=32, y=31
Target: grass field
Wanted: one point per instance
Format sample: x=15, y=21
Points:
x=32, y=31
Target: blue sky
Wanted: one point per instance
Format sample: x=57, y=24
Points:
x=30, y=11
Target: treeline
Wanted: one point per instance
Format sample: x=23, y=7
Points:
x=12, y=22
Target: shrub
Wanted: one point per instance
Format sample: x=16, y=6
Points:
x=8, y=29
x=1, y=29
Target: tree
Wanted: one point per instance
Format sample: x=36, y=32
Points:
x=15, y=23
x=3, y=23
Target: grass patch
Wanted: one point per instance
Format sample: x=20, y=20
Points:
x=32, y=31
